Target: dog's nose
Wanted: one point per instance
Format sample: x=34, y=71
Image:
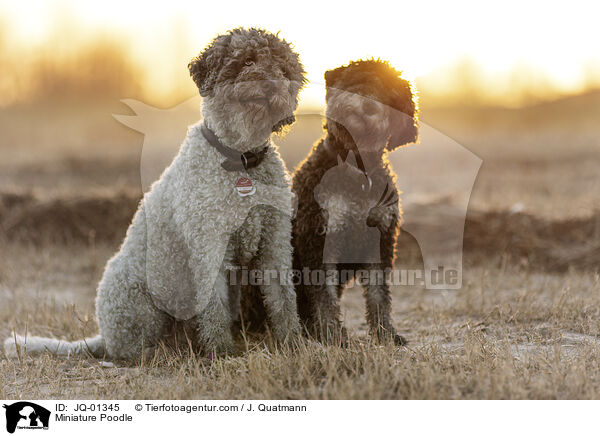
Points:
x=268, y=86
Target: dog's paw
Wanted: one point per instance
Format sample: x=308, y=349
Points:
x=388, y=335
x=400, y=340
x=343, y=337
x=331, y=334
x=221, y=350
x=285, y=325
x=217, y=346
x=288, y=332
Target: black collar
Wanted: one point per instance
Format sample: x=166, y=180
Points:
x=235, y=161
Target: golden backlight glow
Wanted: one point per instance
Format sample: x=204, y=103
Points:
x=513, y=46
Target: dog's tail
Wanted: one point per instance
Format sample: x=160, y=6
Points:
x=18, y=345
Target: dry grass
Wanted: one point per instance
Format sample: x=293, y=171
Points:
x=509, y=333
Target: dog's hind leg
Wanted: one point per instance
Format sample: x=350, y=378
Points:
x=129, y=322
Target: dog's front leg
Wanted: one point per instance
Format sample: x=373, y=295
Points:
x=214, y=321
x=327, y=325
x=275, y=263
x=379, y=310
x=209, y=261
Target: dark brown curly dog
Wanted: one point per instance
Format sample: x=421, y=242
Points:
x=349, y=212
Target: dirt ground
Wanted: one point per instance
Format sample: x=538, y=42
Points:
x=526, y=323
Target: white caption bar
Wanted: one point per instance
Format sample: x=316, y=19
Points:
x=85, y=417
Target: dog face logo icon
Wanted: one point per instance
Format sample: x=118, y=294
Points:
x=25, y=415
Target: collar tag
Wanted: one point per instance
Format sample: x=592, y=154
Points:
x=245, y=187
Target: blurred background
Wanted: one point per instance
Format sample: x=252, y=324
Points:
x=517, y=83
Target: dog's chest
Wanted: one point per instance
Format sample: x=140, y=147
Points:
x=246, y=240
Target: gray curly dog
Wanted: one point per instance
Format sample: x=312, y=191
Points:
x=224, y=202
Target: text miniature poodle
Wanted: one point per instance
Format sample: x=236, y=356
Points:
x=349, y=212
x=224, y=202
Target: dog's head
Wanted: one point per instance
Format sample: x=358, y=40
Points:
x=252, y=76
x=370, y=104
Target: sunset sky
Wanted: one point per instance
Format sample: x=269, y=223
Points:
x=554, y=42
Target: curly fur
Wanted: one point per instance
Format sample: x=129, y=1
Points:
x=192, y=225
x=370, y=110
x=247, y=63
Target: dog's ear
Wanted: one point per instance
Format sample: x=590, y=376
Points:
x=199, y=72
x=204, y=67
x=404, y=116
x=333, y=76
x=404, y=130
x=203, y=70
